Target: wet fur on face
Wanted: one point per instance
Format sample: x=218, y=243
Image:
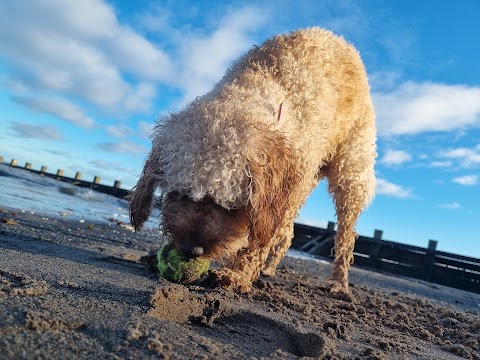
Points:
x=203, y=228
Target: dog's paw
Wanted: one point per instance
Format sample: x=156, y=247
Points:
x=216, y=279
x=228, y=280
x=269, y=271
x=339, y=289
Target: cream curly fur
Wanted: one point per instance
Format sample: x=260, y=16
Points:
x=285, y=115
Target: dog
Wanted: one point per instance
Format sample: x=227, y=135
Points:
x=236, y=165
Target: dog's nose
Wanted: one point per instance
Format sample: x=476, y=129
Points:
x=192, y=251
x=197, y=251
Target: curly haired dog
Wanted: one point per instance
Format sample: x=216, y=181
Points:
x=237, y=164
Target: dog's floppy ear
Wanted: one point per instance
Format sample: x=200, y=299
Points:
x=140, y=200
x=274, y=176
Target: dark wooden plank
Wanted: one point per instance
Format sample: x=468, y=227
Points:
x=364, y=247
x=458, y=264
x=361, y=260
x=456, y=278
x=399, y=268
x=402, y=256
x=458, y=257
x=394, y=244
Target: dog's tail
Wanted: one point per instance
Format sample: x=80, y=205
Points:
x=141, y=198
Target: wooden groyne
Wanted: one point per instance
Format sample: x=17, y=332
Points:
x=428, y=264
x=95, y=184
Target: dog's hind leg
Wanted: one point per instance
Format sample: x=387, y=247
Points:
x=351, y=182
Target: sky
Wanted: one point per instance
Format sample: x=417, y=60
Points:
x=83, y=82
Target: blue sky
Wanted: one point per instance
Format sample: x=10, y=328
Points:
x=82, y=82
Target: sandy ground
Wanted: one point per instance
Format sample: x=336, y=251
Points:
x=76, y=291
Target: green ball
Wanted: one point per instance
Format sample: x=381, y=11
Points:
x=176, y=267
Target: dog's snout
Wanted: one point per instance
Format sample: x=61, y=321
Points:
x=197, y=251
x=192, y=251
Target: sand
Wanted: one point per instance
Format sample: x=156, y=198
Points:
x=71, y=290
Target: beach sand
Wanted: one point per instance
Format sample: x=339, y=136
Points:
x=71, y=290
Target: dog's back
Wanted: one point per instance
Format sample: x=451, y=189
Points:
x=318, y=82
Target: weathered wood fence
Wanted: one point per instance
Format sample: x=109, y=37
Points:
x=429, y=264
x=114, y=190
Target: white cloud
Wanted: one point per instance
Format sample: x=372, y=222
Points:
x=451, y=206
x=414, y=108
x=138, y=56
x=140, y=98
x=80, y=49
x=467, y=157
x=383, y=80
x=154, y=19
x=202, y=54
x=36, y=131
x=395, y=157
x=385, y=187
x=467, y=180
x=59, y=108
x=57, y=152
x=127, y=147
x=99, y=165
x=204, y=59
x=145, y=128
x=119, y=131
x=441, y=164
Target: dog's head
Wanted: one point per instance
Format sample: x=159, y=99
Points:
x=203, y=228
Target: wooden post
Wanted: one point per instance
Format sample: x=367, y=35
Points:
x=96, y=180
x=117, y=184
x=78, y=175
x=43, y=170
x=429, y=260
x=1, y=159
x=331, y=226
x=28, y=166
x=13, y=163
x=375, y=249
x=59, y=173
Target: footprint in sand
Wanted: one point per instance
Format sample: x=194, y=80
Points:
x=236, y=325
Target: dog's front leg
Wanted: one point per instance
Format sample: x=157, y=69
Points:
x=239, y=273
x=278, y=249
